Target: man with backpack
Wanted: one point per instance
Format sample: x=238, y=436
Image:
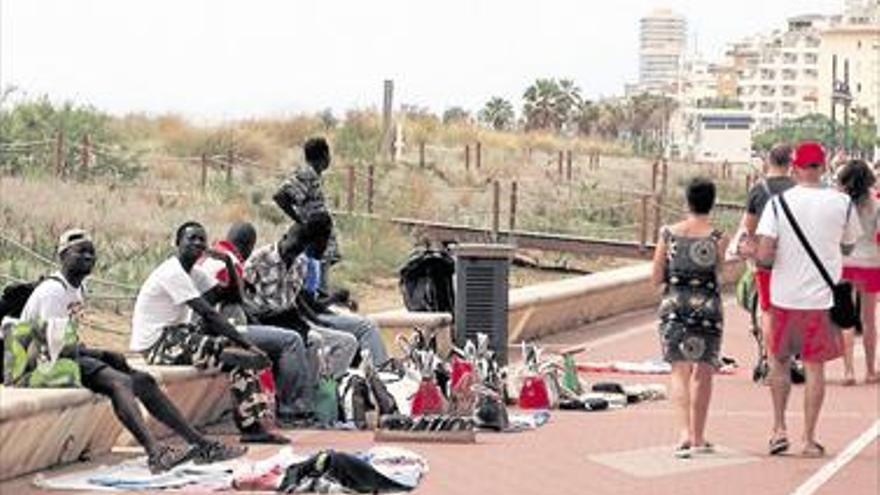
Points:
x=60, y=296
x=802, y=235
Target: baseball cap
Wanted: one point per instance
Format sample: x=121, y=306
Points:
x=808, y=153
x=71, y=238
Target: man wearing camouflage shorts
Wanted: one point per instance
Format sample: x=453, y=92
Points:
x=163, y=333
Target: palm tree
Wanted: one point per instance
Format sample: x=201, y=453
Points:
x=550, y=104
x=539, y=107
x=498, y=114
x=586, y=117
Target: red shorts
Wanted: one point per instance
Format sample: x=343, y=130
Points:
x=808, y=332
x=762, y=284
x=863, y=278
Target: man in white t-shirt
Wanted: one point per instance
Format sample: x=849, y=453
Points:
x=105, y=372
x=163, y=332
x=799, y=296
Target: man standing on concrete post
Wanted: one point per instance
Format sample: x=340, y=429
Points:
x=799, y=295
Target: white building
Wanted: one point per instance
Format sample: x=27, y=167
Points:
x=857, y=43
x=662, y=42
x=778, y=73
x=713, y=135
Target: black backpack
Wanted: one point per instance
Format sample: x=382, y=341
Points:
x=426, y=281
x=13, y=300
x=15, y=296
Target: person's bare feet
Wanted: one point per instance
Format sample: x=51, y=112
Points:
x=872, y=378
x=848, y=380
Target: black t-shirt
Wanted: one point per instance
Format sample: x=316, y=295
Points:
x=758, y=197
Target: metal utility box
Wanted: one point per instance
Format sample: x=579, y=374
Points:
x=481, y=291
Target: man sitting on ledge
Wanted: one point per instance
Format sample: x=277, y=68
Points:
x=107, y=373
x=164, y=333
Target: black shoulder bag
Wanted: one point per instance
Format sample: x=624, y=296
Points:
x=843, y=313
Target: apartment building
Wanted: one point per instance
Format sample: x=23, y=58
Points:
x=778, y=73
x=662, y=41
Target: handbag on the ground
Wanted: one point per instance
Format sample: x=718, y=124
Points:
x=843, y=312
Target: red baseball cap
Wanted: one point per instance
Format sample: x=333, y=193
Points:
x=808, y=153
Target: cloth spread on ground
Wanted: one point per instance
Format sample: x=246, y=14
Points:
x=377, y=469
x=133, y=475
x=647, y=367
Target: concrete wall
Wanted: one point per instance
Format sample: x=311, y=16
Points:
x=551, y=307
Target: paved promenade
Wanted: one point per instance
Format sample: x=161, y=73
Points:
x=630, y=451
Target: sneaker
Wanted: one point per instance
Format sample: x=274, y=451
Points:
x=264, y=436
x=683, y=451
x=214, y=451
x=167, y=457
x=704, y=448
x=236, y=357
x=296, y=420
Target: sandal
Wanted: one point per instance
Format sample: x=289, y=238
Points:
x=778, y=445
x=813, y=449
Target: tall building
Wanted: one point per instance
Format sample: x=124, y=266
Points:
x=858, y=45
x=778, y=73
x=662, y=42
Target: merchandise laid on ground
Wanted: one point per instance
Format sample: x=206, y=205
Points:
x=585, y=408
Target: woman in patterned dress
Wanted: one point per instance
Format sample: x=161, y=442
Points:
x=686, y=262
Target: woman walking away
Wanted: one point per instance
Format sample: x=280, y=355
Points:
x=686, y=262
x=862, y=266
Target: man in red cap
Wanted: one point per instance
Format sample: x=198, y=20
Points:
x=799, y=295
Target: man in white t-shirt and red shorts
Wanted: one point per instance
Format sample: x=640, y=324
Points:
x=799, y=296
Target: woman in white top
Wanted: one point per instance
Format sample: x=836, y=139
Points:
x=862, y=266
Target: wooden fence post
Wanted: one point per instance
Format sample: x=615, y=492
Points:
x=350, y=189
x=655, y=232
x=479, y=155
x=513, y=199
x=654, y=167
x=370, y=172
x=422, y=154
x=204, y=171
x=559, y=161
x=643, y=221
x=496, y=209
x=229, y=158
x=467, y=157
x=59, y=154
x=86, y=155
x=568, y=173
x=665, y=175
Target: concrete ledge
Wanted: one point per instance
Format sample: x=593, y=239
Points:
x=40, y=428
x=547, y=308
x=402, y=322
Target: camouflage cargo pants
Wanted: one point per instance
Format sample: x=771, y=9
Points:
x=185, y=344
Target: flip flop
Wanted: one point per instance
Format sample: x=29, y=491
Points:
x=813, y=449
x=778, y=445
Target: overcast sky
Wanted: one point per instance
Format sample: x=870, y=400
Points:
x=227, y=58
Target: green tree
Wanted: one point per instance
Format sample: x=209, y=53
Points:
x=497, y=114
x=29, y=128
x=549, y=104
x=456, y=115
x=863, y=135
